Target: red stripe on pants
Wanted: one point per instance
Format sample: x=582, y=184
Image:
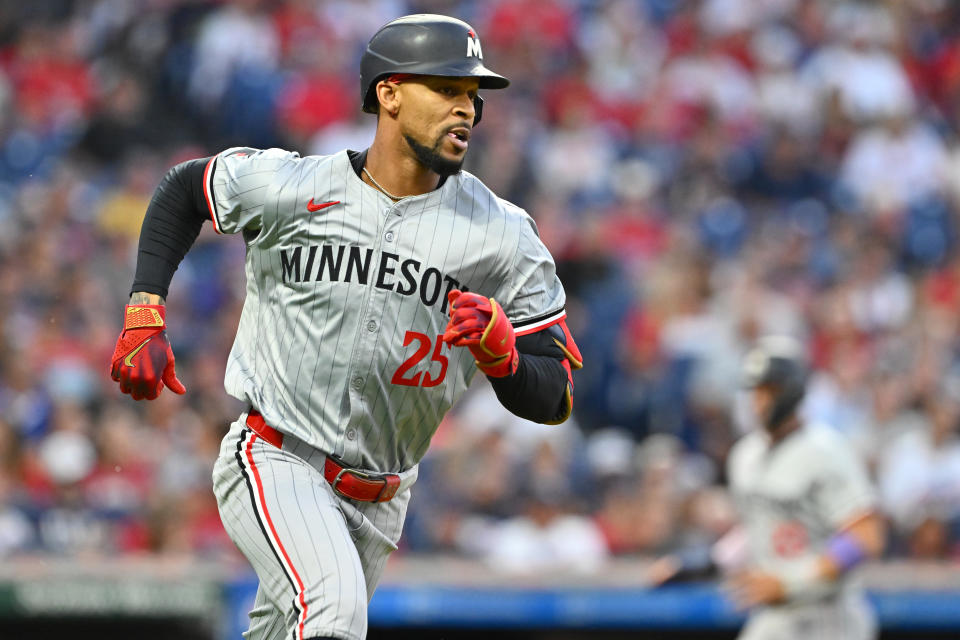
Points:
x=273, y=532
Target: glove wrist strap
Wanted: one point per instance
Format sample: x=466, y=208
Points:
x=505, y=365
x=144, y=316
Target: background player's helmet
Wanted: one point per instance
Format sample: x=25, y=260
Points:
x=778, y=362
x=425, y=44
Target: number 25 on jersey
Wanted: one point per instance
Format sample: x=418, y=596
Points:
x=422, y=378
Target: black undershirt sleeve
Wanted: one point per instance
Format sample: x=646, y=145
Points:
x=173, y=220
x=538, y=390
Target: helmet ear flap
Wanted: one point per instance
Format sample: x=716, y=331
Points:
x=477, y=109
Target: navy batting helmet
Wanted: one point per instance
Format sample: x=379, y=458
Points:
x=425, y=44
x=778, y=362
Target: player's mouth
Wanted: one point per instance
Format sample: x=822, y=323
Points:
x=460, y=136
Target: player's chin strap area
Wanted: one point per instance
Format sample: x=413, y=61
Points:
x=355, y=484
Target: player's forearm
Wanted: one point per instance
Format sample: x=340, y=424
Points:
x=858, y=541
x=142, y=297
x=542, y=388
x=691, y=563
x=173, y=220
x=852, y=545
x=820, y=572
x=537, y=391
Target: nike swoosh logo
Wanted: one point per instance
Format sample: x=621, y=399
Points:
x=323, y=205
x=130, y=355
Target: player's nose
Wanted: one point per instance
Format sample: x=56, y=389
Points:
x=463, y=108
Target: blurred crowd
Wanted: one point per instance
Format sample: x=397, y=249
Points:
x=704, y=171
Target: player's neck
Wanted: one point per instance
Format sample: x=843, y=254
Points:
x=396, y=173
x=784, y=429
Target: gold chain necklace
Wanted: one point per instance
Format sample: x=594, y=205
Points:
x=384, y=191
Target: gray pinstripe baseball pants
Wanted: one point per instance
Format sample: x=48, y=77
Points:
x=318, y=556
x=846, y=617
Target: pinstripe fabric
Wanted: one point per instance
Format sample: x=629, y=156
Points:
x=319, y=557
x=333, y=297
x=259, y=490
x=267, y=622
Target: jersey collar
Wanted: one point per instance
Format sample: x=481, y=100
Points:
x=359, y=158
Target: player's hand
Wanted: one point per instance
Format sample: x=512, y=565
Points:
x=143, y=360
x=753, y=587
x=481, y=325
x=662, y=570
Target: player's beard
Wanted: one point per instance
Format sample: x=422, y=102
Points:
x=432, y=158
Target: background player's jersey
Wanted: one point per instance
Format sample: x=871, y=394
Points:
x=793, y=496
x=339, y=338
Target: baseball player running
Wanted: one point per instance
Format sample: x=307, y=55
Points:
x=806, y=509
x=378, y=283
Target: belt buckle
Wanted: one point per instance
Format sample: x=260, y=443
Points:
x=391, y=482
x=337, y=480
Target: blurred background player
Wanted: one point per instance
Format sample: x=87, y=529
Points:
x=807, y=512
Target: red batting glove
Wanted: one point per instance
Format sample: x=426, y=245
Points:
x=481, y=325
x=143, y=360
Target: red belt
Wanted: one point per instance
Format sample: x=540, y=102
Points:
x=349, y=483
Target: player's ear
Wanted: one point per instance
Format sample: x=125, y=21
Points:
x=388, y=95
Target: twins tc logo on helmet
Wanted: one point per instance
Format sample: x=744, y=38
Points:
x=473, y=45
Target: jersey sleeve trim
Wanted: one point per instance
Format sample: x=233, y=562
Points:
x=523, y=327
x=208, y=193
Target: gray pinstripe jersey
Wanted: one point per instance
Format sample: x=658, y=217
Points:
x=338, y=342
x=793, y=497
